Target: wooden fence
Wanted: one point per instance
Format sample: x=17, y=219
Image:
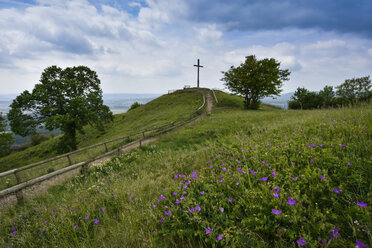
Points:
x=140, y=136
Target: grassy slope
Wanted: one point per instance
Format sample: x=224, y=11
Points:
x=120, y=194
x=160, y=111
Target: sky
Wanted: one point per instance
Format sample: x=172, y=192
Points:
x=150, y=46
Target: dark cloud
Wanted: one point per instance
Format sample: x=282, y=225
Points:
x=343, y=16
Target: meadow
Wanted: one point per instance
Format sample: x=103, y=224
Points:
x=236, y=178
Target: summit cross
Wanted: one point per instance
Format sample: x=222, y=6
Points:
x=198, y=65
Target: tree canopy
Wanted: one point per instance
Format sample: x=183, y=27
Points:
x=65, y=99
x=255, y=79
x=6, y=138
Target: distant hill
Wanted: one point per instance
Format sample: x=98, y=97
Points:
x=280, y=101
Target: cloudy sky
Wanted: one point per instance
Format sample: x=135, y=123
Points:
x=150, y=46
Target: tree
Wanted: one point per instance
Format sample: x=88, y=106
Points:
x=327, y=96
x=6, y=138
x=355, y=89
x=255, y=79
x=299, y=97
x=66, y=99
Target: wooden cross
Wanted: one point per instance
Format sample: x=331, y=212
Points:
x=198, y=65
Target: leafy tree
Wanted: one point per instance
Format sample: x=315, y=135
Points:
x=6, y=138
x=134, y=105
x=66, y=99
x=327, y=96
x=255, y=79
x=355, y=89
x=299, y=98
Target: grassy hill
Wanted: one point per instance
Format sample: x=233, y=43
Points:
x=160, y=111
x=236, y=178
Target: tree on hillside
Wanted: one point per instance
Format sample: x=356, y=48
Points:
x=327, y=96
x=66, y=99
x=356, y=89
x=299, y=98
x=255, y=79
x=6, y=138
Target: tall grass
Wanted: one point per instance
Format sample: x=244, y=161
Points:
x=218, y=166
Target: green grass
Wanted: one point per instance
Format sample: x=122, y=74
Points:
x=264, y=141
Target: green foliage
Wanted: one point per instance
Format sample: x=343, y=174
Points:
x=6, y=138
x=134, y=105
x=255, y=79
x=38, y=138
x=352, y=91
x=66, y=99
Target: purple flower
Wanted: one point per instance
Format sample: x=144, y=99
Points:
x=162, y=220
x=322, y=177
x=174, y=193
x=161, y=197
x=277, y=212
x=293, y=163
x=202, y=192
x=46, y=221
x=294, y=178
x=302, y=242
x=334, y=233
x=96, y=221
x=253, y=172
x=208, y=230
x=360, y=244
x=197, y=208
x=221, y=209
x=342, y=145
x=87, y=217
x=178, y=202
x=237, y=183
x=291, y=201
x=75, y=226
x=337, y=191
x=264, y=179
x=230, y=200
x=176, y=176
x=167, y=213
x=362, y=204
x=219, y=237
x=103, y=209
x=181, y=198
x=276, y=195
x=26, y=215
x=348, y=163
x=276, y=190
x=273, y=173
x=312, y=160
x=192, y=210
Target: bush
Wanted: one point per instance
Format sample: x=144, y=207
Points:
x=134, y=105
x=38, y=138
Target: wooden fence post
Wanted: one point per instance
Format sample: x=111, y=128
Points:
x=106, y=147
x=84, y=169
x=69, y=160
x=19, y=193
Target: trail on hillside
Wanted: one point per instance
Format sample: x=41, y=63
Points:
x=43, y=186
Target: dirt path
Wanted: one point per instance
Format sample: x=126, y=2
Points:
x=42, y=187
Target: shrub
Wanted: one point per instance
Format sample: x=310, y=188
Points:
x=38, y=138
x=134, y=105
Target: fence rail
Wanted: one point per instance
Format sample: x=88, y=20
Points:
x=153, y=131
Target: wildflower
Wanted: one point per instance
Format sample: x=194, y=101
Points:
x=174, y=193
x=181, y=198
x=294, y=178
x=192, y=210
x=334, y=233
x=342, y=145
x=311, y=160
x=208, y=230
x=96, y=221
x=161, y=197
x=348, y=163
x=153, y=206
x=103, y=209
x=337, y=191
x=293, y=163
x=26, y=215
x=362, y=204
x=302, y=242
x=162, y=220
x=277, y=212
x=176, y=176
x=220, y=237
x=43, y=230
x=130, y=197
x=75, y=226
x=46, y=221
x=87, y=217
x=276, y=194
x=253, y=172
x=115, y=195
x=230, y=200
x=237, y=183
x=167, y=213
x=197, y=208
x=291, y=201
x=221, y=209
x=202, y=192
x=322, y=177
x=276, y=190
x=273, y=173
x=264, y=179
x=360, y=244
